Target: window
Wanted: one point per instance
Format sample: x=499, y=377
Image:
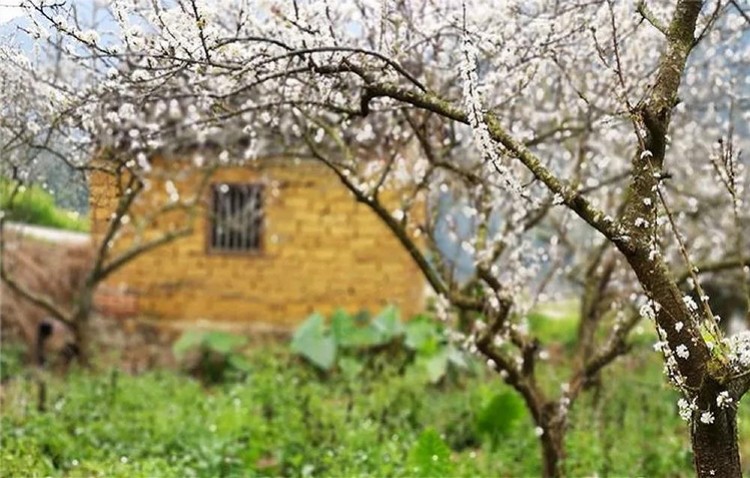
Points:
x=236, y=217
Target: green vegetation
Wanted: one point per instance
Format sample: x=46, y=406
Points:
x=285, y=418
x=365, y=406
x=34, y=205
x=11, y=360
x=351, y=342
x=216, y=355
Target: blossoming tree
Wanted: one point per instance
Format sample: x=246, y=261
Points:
x=602, y=118
x=34, y=122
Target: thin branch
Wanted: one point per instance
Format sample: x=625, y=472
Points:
x=139, y=249
x=718, y=266
x=650, y=17
x=740, y=10
x=702, y=298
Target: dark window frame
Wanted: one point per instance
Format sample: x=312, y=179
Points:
x=254, y=243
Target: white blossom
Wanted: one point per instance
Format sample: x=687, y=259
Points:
x=647, y=312
x=707, y=417
x=686, y=409
x=739, y=350
x=90, y=36
x=723, y=400
x=690, y=303
x=682, y=351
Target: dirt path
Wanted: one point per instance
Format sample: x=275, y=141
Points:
x=47, y=234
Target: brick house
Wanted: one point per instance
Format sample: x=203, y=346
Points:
x=271, y=243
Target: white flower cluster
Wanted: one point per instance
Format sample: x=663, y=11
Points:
x=682, y=351
x=690, y=303
x=723, y=400
x=647, y=312
x=671, y=369
x=473, y=100
x=442, y=308
x=172, y=191
x=642, y=223
x=707, y=417
x=686, y=409
x=739, y=350
x=564, y=407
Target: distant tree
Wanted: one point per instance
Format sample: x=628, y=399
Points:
x=574, y=107
x=29, y=128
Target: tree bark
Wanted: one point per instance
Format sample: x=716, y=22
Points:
x=81, y=326
x=82, y=343
x=715, y=448
x=715, y=445
x=553, y=452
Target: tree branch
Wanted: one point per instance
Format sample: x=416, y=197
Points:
x=649, y=16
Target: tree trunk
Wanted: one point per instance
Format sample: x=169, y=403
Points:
x=715, y=445
x=553, y=452
x=82, y=343
x=80, y=323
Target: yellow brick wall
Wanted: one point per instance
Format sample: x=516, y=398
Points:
x=321, y=250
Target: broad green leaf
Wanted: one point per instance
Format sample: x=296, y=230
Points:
x=421, y=336
x=388, y=324
x=321, y=351
x=430, y=456
x=188, y=340
x=314, y=324
x=342, y=326
x=223, y=342
x=311, y=341
x=367, y=336
x=239, y=362
x=456, y=357
x=437, y=366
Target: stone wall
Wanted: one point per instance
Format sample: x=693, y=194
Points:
x=321, y=250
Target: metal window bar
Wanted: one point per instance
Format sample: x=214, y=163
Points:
x=237, y=217
x=232, y=218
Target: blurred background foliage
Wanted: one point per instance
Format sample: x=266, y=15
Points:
x=36, y=206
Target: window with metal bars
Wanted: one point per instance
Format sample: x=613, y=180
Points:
x=236, y=218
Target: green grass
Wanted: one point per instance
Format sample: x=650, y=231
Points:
x=286, y=419
x=34, y=205
x=556, y=322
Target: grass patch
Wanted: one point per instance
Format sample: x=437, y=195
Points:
x=33, y=205
x=286, y=419
x=556, y=322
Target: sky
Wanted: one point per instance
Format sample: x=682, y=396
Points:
x=9, y=10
